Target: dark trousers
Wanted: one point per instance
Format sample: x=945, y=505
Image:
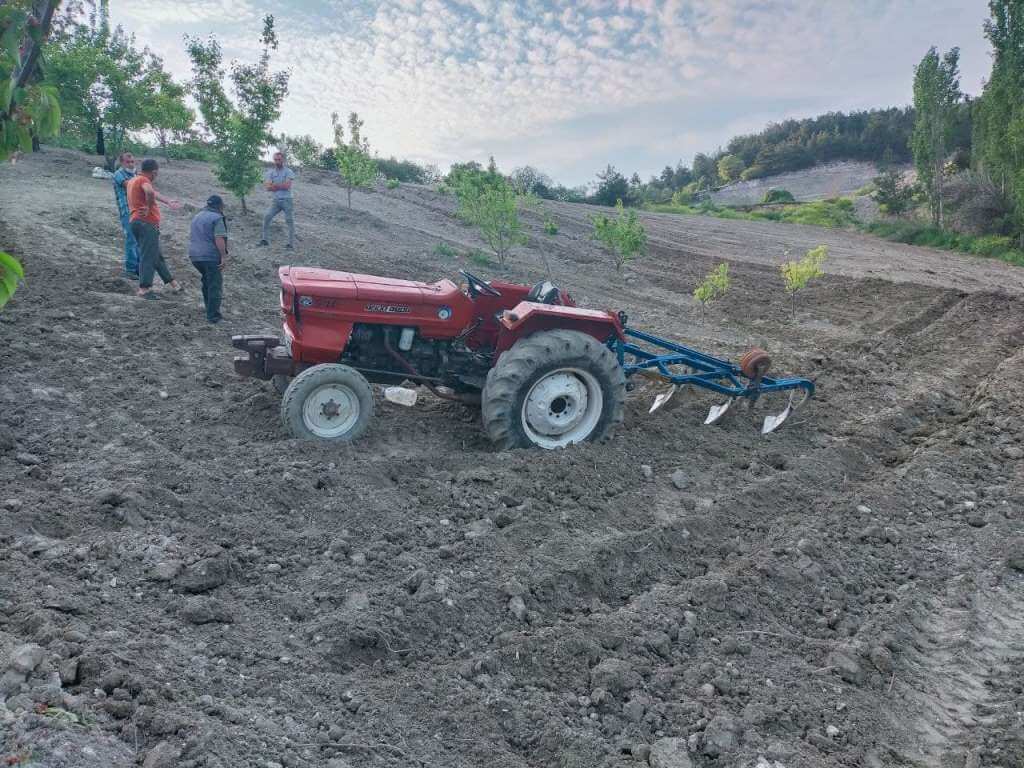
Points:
x=213, y=287
x=151, y=258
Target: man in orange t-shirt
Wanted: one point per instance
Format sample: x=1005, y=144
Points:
x=145, y=224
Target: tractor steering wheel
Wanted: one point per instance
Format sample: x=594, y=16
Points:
x=478, y=286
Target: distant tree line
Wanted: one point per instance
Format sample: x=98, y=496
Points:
x=970, y=170
x=997, y=152
x=879, y=135
x=108, y=86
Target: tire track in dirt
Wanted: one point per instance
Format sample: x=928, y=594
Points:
x=962, y=643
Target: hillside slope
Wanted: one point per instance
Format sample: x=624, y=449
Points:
x=818, y=183
x=201, y=590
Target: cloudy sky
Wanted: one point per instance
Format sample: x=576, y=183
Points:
x=571, y=85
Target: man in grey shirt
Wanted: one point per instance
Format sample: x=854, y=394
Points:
x=208, y=252
x=278, y=181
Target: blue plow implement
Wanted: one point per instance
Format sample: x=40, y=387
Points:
x=658, y=357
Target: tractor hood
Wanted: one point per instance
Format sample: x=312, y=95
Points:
x=332, y=284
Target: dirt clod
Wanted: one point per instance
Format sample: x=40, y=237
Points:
x=205, y=575
x=721, y=736
x=669, y=753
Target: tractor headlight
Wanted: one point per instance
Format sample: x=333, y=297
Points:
x=444, y=313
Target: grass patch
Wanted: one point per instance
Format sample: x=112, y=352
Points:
x=913, y=233
x=445, y=251
x=393, y=184
x=476, y=256
x=778, y=196
x=834, y=214
x=837, y=213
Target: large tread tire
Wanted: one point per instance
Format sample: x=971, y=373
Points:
x=308, y=382
x=509, y=382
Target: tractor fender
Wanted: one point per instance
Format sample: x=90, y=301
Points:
x=529, y=317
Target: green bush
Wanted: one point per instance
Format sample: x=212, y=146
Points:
x=489, y=203
x=687, y=195
x=797, y=274
x=393, y=184
x=479, y=258
x=550, y=227
x=193, y=150
x=444, y=250
x=714, y=287
x=892, y=193
x=991, y=245
x=73, y=141
x=11, y=274
x=624, y=235
x=754, y=172
x=778, y=196
x=834, y=214
x=913, y=233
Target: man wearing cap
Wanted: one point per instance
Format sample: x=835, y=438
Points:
x=208, y=251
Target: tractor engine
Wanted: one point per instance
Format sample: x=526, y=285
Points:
x=377, y=350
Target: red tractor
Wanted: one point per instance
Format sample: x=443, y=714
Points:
x=545, y=372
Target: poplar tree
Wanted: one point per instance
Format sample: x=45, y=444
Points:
x=936, y=95
x=998, y=141
x=355, y=165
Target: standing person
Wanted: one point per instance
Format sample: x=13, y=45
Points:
x=145, y=222
x=208, y=251
x=125, y=173
x=278, y=181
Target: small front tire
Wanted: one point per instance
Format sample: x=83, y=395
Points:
x=330, y=403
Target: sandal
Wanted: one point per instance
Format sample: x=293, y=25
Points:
x=149, y=296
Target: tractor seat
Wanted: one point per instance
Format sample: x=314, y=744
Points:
x=545, y=292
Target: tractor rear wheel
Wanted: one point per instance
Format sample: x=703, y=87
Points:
x=332, y=403
x=553, y=389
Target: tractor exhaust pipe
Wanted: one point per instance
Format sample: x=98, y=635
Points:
x=466, y=398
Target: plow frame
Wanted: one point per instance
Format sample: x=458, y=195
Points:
x=708, y=372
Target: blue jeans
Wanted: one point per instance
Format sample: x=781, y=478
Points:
x=276, y=206
x=131, y=248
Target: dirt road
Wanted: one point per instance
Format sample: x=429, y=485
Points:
x=180, y=583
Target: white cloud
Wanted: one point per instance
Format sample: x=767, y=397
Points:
x=442, y=79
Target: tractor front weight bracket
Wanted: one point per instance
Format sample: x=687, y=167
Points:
x=264, y=357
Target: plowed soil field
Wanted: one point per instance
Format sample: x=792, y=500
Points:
x=182, y=584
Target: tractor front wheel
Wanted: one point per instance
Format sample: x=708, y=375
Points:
x=331, y=403
x=553, y=389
